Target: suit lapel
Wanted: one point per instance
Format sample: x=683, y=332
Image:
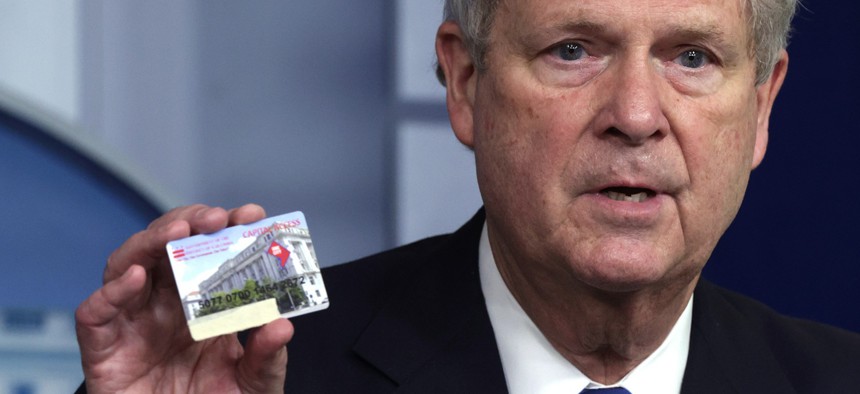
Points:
x=727, y=353
x=435, y=335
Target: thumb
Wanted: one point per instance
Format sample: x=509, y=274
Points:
x=263, y=367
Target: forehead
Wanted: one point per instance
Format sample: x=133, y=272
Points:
x=723, y=19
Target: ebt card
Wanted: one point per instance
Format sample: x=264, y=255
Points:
x=246, y=276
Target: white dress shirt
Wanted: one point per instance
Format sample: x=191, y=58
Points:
x=533, y=366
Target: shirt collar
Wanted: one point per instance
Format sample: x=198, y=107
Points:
x=532, y=365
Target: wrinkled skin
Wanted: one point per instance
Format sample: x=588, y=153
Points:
x=132, y=331
x=583, y=104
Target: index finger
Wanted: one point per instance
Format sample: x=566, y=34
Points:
x=246, y=214
x=147, y=248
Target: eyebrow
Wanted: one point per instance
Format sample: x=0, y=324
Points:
x=706, y=33
x=580, y=26
x=537, y=38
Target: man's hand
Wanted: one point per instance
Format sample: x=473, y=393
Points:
x=133, y=334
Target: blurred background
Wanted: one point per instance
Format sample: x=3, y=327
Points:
x=112, y=112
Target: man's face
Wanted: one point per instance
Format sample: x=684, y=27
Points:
x=614, y=139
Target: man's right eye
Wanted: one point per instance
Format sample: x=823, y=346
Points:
x=570, y=51
x=569, y=64
x=693, y=58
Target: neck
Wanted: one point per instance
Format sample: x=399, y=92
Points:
x=604, y=334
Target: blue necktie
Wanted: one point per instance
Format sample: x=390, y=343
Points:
x=610, y=390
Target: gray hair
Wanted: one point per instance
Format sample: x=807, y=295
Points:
x=769, y=22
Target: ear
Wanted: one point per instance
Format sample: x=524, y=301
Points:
x=765, y=96
x=460, y=79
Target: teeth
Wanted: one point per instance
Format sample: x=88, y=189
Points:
x=636, y=197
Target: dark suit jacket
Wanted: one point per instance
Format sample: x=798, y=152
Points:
x=413, y=320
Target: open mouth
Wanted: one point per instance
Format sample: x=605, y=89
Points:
x=628, y=194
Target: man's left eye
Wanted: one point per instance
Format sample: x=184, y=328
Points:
x=693, y=58
x=571, y=51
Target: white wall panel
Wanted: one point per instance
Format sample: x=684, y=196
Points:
x=39, y=54
x=417, y=21
x=436, y=187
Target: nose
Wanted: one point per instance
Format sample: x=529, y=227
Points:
x=632, y=109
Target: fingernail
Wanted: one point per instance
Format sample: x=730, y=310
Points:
x=127, y=273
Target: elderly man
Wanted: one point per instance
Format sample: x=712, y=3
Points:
x=613, y=142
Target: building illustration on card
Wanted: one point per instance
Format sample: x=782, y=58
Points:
x=281, y=263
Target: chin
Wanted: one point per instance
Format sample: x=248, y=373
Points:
x=614, y=283
x=625, y=272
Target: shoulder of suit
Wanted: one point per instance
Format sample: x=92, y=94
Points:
x=797, y=344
